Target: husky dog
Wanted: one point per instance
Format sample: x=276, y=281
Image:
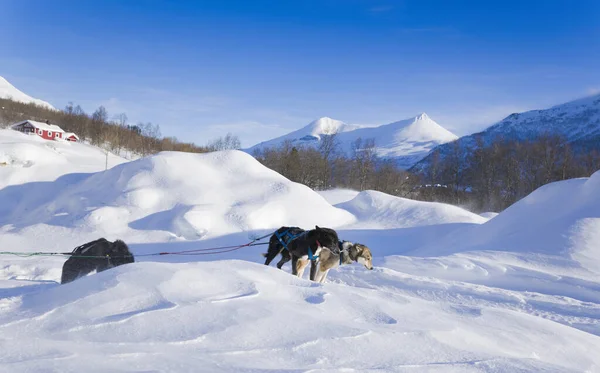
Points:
x=283, y=235
x=98, y=255
x=302, y=247
x=348, y=253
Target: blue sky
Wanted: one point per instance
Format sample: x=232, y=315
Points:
x=261, y=68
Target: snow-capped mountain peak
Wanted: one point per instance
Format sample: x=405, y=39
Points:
x=421, y=128
x=407, y=140
x=327, y=126
x=8, y=90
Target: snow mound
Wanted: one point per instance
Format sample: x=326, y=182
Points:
x=233, y=316
x=489, y=214
x=378, y=210
x=9, y=91
x=560, y=218
x=29, y=158
x=190, y=196
x=338, y=195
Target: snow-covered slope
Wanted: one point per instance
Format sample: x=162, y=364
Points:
x=382, y=211
x=171, y=194
x=560, y=219
x=29, y=158
x=335, y=196
x=407, y=141
x=310, y=135
x=450, y=290
x=236, y=316
x=578, y=121
x=7, y=90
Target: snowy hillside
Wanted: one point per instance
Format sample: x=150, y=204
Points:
x=7, y=90
x=578, y=121
x=407, y=141
x=29, y=158
x=170, y=195
x=451, y=291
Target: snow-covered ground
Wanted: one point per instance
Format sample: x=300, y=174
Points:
x=450, y=292
x=29, y=158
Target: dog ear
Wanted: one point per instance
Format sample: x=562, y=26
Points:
x=355, y=250
x=317, y=227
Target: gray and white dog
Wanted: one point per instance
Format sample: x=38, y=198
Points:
x=348, y=253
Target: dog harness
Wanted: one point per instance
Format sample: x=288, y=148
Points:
x=286, y=237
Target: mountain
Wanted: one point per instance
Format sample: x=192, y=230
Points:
x=407, y=141
x=9, y=91
x=578, y=121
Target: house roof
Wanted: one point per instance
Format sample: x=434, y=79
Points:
x=69, y=134
x=41, y=125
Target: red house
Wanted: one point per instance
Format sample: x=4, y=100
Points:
x=44, y=130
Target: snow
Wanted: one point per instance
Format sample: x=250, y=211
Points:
x=406, y=141
x=451, y=291
x=489, y=215
x=29, y=158
x=338, y=195
x=7, y=90
x=577, y=121
x=376, y=210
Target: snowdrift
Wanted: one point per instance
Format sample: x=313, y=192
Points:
x=234, y=316
x=188, y=196
x=382, y=211
x=561, y=218
x=336, y=196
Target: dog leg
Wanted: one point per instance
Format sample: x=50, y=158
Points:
x=313, y=269
x=294, y=265
x=319, y=274
x=285, y=257
x=302, y=264
x=270, y=255
x=323, y=276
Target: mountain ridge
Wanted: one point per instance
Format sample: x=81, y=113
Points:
x=407, y=141
x=578, y=121
x=9, y=91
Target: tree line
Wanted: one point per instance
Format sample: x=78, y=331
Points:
x=485, y=178
x=481, y=178
x=493, y=177
x=325, y=167
x=114, y=133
